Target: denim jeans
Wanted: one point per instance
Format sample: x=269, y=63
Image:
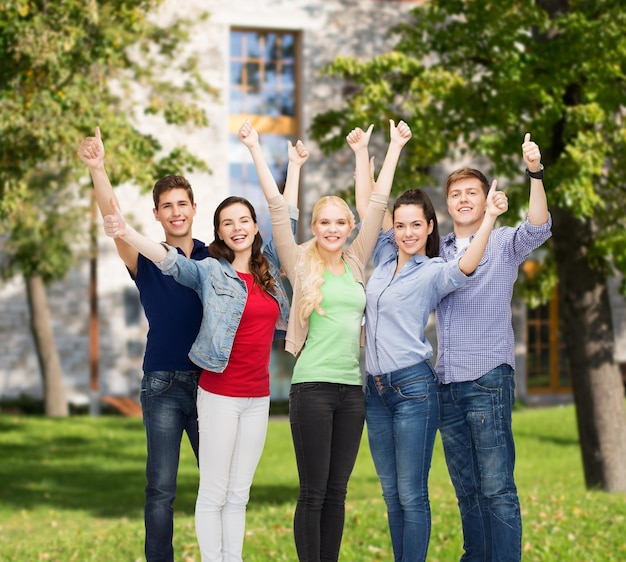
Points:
x=168, y=402
x=326, y=427
x=402, y=415
x=232, y=435
x=476, y=430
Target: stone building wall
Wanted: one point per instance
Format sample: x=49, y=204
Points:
x=328, y=28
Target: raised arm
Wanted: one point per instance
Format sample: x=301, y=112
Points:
x=91, y=152
x=281, y=224
x=249, y=137
x=363, y=178
x=398, y=137
x=365, y=184
x=298, y=155
x=538, y=202
x=497, y=203
x=116, y=227
x=363, y=191
x=362, y=197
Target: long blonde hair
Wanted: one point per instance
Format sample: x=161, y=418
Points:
x=314, y=264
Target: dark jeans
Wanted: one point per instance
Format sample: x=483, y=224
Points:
x=477, y=438
x=168, y=402
x=326, y=426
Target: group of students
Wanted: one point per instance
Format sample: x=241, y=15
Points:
x=214, y=311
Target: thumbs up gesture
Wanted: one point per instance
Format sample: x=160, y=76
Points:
x=531, y=153
x=115, y=225
x=497, y=201
x=358, y=138
x=91, y=150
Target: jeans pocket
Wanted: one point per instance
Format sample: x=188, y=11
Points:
x=414, y=389
x=304, y=387
x=157, y=382
x=493, y=380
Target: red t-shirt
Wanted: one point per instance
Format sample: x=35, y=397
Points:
x=247, y=372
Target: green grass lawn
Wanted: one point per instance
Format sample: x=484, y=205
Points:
x=72, y=489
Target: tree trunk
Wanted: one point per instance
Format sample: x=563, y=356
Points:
x=49, y=364
x=588, y=330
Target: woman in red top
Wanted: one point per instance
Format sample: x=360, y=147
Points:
x=242, y=305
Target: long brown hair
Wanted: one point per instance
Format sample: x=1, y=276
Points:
x=259, y=266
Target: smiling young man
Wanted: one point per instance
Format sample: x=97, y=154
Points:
x=174, y=312
x=170, y=382
x=476, y=362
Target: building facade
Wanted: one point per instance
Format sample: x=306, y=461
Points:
x=264, y=57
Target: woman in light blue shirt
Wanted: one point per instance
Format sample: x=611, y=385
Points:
x=401, y=394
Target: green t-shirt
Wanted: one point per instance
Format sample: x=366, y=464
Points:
x=332, y=349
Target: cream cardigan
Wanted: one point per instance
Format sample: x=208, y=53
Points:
x=291, y=257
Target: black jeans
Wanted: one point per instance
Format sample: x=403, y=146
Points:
x=326, y=426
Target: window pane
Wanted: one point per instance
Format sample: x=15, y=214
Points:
x=262, y=66
x=236, y=44
x=252, y=46
x=236, y=73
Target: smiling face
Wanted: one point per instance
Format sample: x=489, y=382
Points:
x=411, y=230
x=467, y=203
x=237, y=228
x=332, y=224
x=175, y=212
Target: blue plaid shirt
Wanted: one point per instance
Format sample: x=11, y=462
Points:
x=474, y=328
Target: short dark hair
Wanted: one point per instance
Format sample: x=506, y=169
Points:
x=465, y=173
x=420, y=198
x=168, y=183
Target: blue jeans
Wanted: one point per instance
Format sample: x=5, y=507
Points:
x=326, y=427
x=168, y=402
x=476, y=430
x=401, y=411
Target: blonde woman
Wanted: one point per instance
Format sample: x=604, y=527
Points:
x=326, y=402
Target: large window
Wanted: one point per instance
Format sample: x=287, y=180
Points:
x=264, y=89
x=262, y=70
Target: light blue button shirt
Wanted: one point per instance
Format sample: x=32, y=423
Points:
x=397, y=308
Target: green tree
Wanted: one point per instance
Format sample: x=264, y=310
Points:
x=67, y=66
x=471, y=77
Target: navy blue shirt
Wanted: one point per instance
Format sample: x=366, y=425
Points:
x=174, y=314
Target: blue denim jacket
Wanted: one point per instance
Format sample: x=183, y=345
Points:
x=223, y=295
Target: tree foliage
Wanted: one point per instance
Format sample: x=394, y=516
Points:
x=68, y=66
x=471, y=77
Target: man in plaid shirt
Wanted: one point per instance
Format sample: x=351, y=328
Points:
x=476, y=361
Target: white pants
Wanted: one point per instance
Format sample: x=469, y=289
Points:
x=232, y=435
